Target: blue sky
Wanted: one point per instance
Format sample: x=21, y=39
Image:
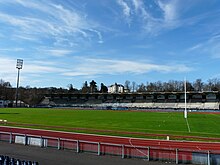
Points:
x=73, y=41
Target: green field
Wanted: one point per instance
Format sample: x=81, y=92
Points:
x=173, y=123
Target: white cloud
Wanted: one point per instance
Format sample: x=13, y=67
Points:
x=162, y=16
x=168, y=20
x=140, y=10
x=78, y=66
x=14, y=21
x=56, y=52
x=14, y=49
x=52, y=21
x=169, y=10
x=125, y=7
x=115, y=67
x=126, y=10
x=195, y=47
x=211, y=47
x=137, y=10
x=137, y=4
x=8, y=67
x=98, y=34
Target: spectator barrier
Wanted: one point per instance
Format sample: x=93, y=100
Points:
x=178, y=156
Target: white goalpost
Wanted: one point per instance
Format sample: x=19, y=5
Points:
x=185, y=110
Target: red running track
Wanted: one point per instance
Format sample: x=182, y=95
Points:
x=166, y=144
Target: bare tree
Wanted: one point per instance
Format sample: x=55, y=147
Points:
x=189, y=86
x=150, y=87
x=134, y=86
x=127, y=85
x=141, y=88
x=214, y=84
x=198, y=85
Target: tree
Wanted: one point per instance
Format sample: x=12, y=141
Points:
x=93, y=86
x=141, y=88
x=159, y=86
x=189, y=86
x=5, y=92
x=134, y=86
x=178, y=86
x=171, y=86
x=214, y=84
x=104, y=89
x=150, y=87
x=70, y=86
x=198, y=85
x=127, y=85
x=85, y=88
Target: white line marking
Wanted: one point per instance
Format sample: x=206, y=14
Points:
x=198, y=147
x=137, y=148
x=188, y=125
x=76, y=133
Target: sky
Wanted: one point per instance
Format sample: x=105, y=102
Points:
x=72, y=41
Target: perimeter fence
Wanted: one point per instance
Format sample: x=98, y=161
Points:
x=177, y=155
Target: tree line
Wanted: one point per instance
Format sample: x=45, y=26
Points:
x=174, y=86
x=32, y=95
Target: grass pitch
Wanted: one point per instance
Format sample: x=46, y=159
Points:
x=173, y=123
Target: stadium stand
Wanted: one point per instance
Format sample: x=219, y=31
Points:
x=196, y=105
x=163, y=100
x=211, y=105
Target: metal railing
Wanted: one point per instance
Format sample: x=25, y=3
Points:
x=177, y=155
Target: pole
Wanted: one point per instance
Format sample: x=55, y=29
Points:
x=185, y=111
x=122, y=151
x=18, y=66
x=208, y=159
x=99, y=149
x=177, y=160
x=148, y=153
x=16, y=97
x=77, y=146
x=58, y=144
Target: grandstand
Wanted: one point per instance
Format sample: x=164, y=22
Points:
x=154, y=100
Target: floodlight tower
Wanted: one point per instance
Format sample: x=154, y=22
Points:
x=19, y=67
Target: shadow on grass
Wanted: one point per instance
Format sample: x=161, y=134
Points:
x=9, y=113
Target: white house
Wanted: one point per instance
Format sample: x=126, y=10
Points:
x=116, y=88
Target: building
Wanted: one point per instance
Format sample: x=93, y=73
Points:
x=1, y=103
x=116, y=88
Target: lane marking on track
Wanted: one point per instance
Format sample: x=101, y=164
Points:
x=137, y=148
x=198, y=147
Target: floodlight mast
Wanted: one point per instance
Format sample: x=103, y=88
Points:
x=185, y=111
x=19, y=67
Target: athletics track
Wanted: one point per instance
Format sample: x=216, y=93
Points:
x=168, y=144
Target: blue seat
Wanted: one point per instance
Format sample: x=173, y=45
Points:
x=6, y=160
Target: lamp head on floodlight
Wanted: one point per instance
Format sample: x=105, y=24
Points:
x=19, y=64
